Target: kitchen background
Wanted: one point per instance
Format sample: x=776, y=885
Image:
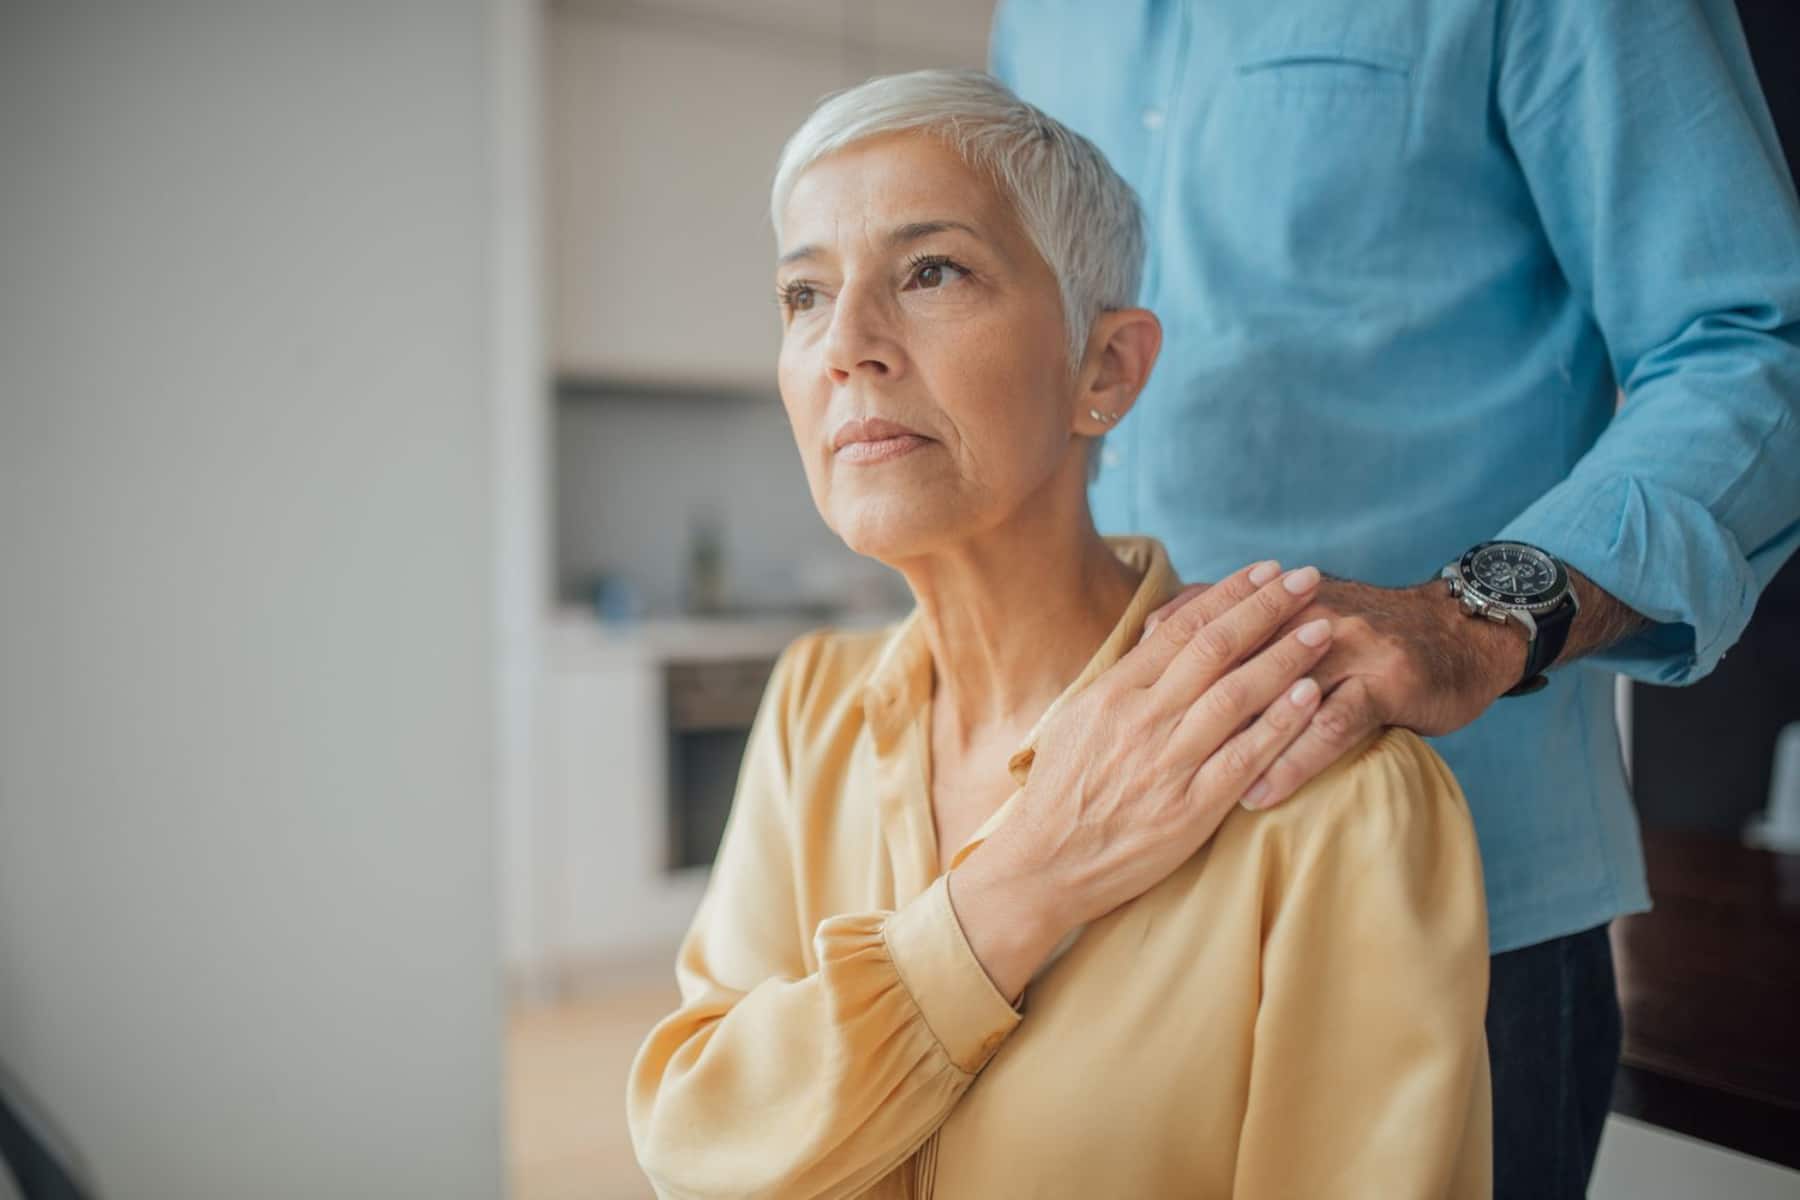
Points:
x=686, y=550
x=399, y=522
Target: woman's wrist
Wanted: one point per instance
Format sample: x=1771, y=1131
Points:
x=1008, y=916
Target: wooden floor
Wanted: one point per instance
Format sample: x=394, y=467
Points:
x=565, y=1077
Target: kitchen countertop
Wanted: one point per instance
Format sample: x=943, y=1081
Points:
x=575, y=639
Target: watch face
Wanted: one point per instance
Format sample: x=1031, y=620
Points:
x=1514, y=573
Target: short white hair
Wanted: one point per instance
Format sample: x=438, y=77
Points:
x=1083, y=218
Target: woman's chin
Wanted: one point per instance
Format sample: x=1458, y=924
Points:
x=890, y=530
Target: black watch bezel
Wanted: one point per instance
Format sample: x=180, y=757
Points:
x=1552, y=610
x=1533, y=602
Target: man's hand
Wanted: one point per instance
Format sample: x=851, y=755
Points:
x=1410, y=657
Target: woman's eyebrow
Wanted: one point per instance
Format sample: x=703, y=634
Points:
x=899, y=235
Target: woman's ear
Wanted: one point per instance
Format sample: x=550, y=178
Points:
x=1122, y=347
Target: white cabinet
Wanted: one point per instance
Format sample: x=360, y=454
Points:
x=606, y=895
x=602, y=894
x=665, y=120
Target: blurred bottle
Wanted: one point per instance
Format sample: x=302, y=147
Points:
x=706, y=564
x=1778, y=827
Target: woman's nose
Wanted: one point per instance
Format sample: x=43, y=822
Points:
x=860, y=339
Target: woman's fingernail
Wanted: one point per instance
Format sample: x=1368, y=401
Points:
x=1303, y=692
x=1254, y=797
x=1264, y=572
x=1300, y=579
x=1315, y=633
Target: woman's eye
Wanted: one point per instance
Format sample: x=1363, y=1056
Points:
x=931, y=273
x=796, y=297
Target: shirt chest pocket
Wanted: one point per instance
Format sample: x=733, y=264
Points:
x=1301, y=165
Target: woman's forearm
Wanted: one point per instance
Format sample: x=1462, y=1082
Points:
x=1009, y=916
x=817, y=1084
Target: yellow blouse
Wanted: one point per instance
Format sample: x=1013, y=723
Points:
x=1295, y=1012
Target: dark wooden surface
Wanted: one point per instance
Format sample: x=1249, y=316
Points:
x=1710, y=986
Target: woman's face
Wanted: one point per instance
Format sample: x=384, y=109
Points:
x=912, y=296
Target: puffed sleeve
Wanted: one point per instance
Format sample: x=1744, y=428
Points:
x=1369, y=1071
x=774, y=1080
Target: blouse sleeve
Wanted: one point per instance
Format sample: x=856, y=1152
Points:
x=774, y=1080
x=1369, y=1071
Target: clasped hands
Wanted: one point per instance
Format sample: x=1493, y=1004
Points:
x=1237, y=693
x=1398, y=656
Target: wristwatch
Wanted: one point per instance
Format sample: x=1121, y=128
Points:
x=1505, y=581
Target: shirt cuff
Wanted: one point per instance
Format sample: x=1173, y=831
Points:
x=960, y=1004
x=1661, y=554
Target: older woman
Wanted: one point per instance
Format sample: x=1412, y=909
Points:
x=989, y=919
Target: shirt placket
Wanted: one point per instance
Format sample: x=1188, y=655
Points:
x=899, y=731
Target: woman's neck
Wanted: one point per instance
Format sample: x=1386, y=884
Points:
x=1012, y=615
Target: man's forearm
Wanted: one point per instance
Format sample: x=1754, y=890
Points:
x=1603, y=621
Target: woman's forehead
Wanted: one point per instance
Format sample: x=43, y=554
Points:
x=887, y=189
x=890, y=237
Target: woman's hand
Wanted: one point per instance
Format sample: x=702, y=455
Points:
x=1134, y=773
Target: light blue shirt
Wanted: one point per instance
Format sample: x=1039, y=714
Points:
x=1406, y=253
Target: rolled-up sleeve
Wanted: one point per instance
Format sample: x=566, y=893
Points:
x=1369, y=1069
x=771, y=1079
x=1650, y=156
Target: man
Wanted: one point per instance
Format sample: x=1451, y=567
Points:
x=1407, y=254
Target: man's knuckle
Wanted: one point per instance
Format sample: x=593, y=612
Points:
x=1336, y=723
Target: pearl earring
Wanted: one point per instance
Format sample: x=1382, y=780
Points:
x=1100, y=416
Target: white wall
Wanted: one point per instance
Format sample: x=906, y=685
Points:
x=247, y=598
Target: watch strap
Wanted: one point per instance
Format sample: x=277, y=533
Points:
x=1552, y=635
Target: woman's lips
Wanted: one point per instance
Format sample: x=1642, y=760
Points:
x=880, y=449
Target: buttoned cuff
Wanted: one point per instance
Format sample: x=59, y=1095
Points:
x=960, y=1004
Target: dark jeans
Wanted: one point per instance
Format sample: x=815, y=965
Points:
x=1553, y=1044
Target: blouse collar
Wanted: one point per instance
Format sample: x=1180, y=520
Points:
x=900, y=683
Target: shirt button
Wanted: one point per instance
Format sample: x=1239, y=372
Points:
x=1153, y=118
x=1109, y=457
